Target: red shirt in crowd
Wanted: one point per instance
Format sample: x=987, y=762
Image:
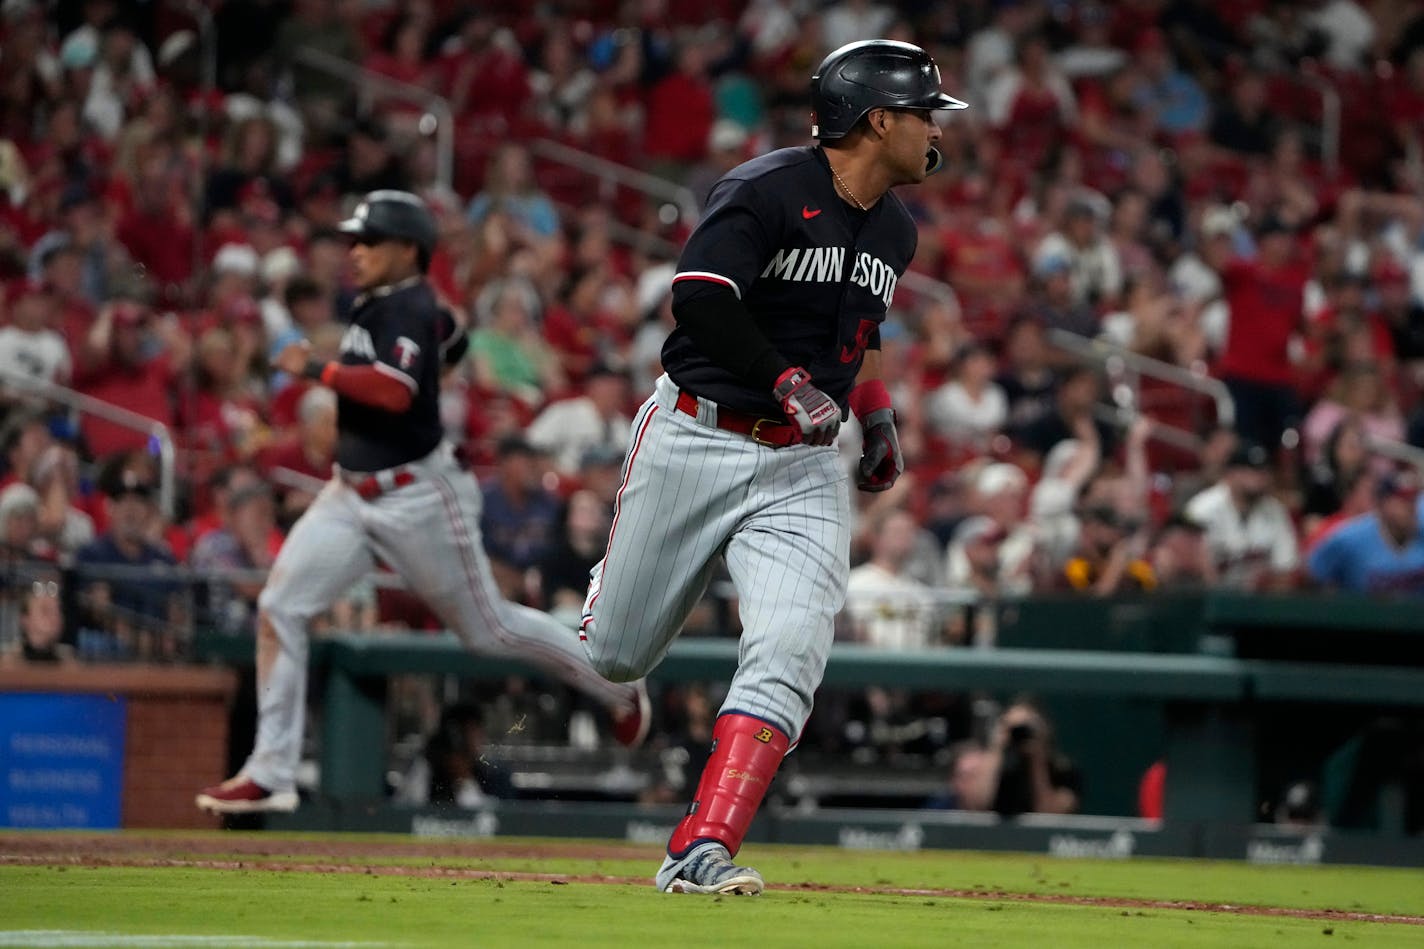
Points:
x=1034, y=124
x=1266, y=310
x=161, y=242
x=146, y=389
x=680, y=115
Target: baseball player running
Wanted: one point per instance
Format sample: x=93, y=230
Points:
x=398, y=494
x=778, y=297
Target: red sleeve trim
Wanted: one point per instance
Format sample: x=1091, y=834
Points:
x=369, y=386
x=711, y=277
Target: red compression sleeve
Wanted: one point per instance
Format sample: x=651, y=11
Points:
x=368, y=385
x=746, y=752
x=869, y=396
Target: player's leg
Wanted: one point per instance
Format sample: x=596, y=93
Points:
x=681, y=495
x=789, y=562
x=325, y=553
x=429, y=533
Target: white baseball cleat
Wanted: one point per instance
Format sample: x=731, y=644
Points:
x=242, y=795
x=708, y=868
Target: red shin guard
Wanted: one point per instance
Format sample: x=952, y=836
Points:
x=746, y=752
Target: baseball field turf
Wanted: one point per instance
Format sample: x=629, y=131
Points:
x=269, y=890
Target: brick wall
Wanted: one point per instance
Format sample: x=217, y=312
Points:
x=176, y=737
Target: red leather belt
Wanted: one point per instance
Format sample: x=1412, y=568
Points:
x=771, y=432
x=374, y=485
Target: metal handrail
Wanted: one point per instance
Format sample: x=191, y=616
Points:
x=1107, y=352
x=79, y=402
x=1122, y=418
x=367, y=82
x=1330, y=110
x=1398, y=451
x=927, y=286
x=626, y=235
x=611, y=171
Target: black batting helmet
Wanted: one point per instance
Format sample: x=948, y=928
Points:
x=396, y=216
x=873, y=74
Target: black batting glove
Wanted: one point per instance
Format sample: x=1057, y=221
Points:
x=881, y=461
x=810, y=409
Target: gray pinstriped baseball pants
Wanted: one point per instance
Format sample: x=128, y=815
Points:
x=781, y=517
x=428, y=532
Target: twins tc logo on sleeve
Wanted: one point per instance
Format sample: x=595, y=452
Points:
x=406, y=351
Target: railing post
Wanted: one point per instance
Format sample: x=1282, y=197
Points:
x=1330, y=113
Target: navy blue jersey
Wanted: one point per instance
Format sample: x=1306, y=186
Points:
x=402, y=331
x=816, y=274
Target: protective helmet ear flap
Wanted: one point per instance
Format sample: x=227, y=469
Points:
x=934, y=160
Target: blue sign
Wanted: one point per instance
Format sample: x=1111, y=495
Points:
x=61, y=760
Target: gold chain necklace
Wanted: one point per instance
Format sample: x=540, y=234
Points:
x=849, y=193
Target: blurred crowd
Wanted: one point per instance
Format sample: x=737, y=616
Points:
x=1142, y=193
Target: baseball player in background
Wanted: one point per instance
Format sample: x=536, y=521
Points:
x=778, y=297
x=399, y=495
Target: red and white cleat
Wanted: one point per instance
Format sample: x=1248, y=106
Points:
x=242, y=795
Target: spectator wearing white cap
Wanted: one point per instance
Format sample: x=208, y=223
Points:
x=239, y=260
x=19, y=523
x=1000, y=494
x=278, y=267
x=726, y=149
x=1199, y=285
x=232, y=291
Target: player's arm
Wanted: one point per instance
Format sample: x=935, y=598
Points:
x=367, y=384
x=718, y=265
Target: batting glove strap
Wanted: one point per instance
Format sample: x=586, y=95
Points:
x=881, y=461
x=810, y=409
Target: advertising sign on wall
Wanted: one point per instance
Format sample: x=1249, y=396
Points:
x=61, y=760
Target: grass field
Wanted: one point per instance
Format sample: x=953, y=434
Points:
x=310, y=890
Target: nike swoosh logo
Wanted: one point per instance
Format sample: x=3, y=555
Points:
x=807, y=213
